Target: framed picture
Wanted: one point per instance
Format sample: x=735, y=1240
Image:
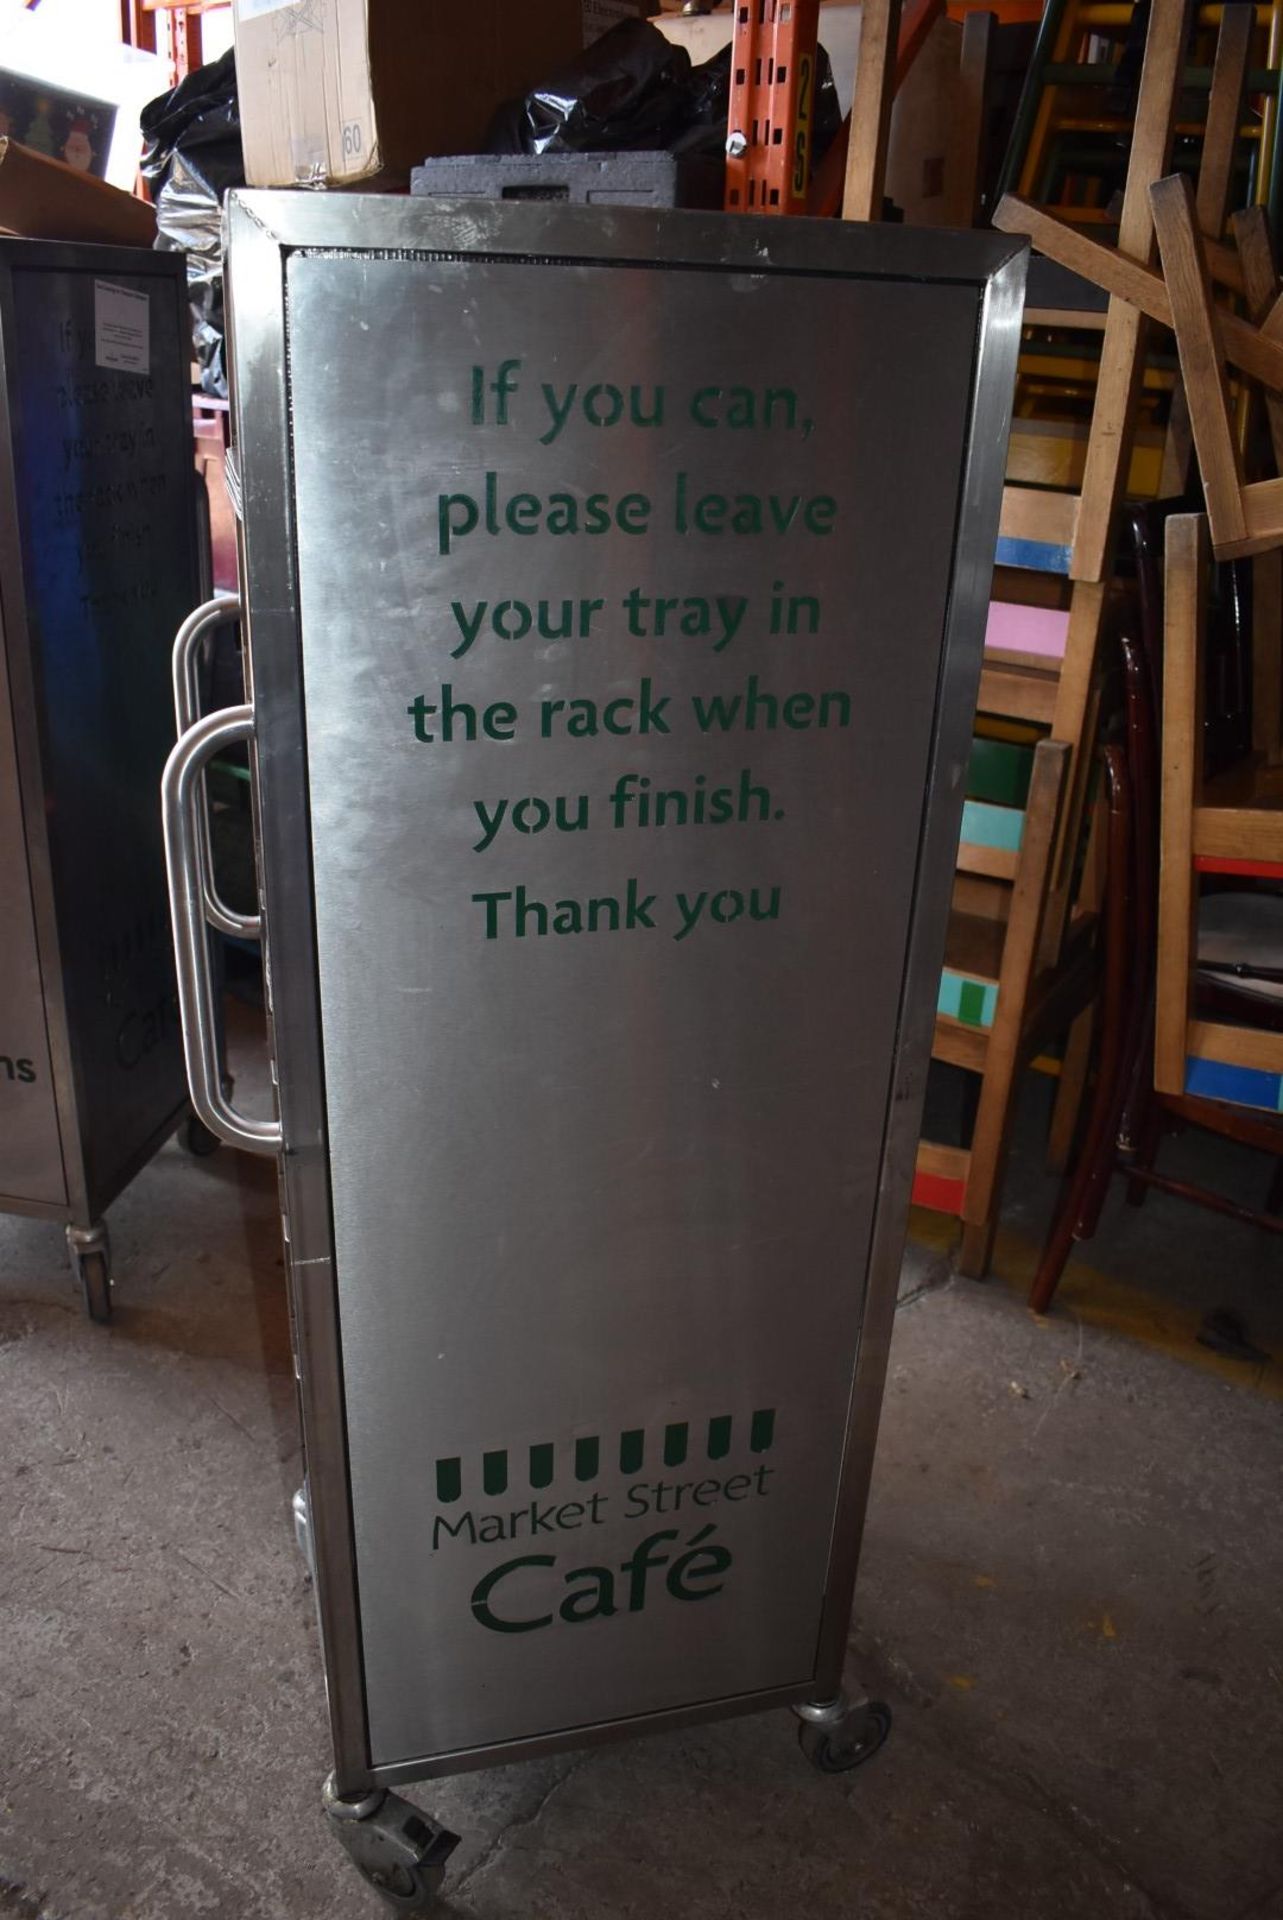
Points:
x=73, y=127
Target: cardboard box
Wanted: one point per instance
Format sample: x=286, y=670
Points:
x=43, y=199
x=335, y=92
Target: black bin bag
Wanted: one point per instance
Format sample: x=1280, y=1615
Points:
x=191, y=156
x=635, y=91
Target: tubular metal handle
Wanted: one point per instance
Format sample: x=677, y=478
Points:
x=180, y=790
x=211, y=613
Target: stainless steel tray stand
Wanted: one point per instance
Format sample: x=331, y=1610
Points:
x=602, y=944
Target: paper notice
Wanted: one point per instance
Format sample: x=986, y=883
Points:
x=122, y=328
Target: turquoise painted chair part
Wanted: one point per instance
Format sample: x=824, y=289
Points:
x=984, y=825
x=974, y=1002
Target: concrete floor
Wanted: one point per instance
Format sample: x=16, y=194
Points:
x=1071, y=1593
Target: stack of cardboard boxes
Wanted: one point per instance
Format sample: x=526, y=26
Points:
x=347, y=92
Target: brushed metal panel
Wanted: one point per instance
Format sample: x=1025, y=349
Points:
x=104, y=474
x=599, y=1185
x=30, y=1149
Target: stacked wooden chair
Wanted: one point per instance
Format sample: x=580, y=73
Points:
x=1022, y=961
x=1192, y=1027
x=1227, y=828
x=1073, y=119
x=1216, y=1018
x=1067, y=154
x=1019, y=971
x=1229, y=825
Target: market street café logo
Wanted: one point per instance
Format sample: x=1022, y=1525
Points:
x=664, y=1477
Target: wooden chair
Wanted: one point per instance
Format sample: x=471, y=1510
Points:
x=999, y=1005
x=1209, y=732
x=1245, y=517
x=1073, y=110
x=1221, y=141
x=1068, y=164
x=1055, y=546
x=1179, y=1044
x=1019, y=972
x=1069, y=535
x=1229, y=825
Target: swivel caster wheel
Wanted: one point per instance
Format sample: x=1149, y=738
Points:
x=396, y=1849
x=90, y=1253
x=848, y=1740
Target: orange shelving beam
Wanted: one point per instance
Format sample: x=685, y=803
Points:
x=772, y=106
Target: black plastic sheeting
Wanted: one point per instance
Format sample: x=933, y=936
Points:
x=191, y=156
x=632, y=91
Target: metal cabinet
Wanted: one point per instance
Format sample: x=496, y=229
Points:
x=615, y=588
x=98, y=563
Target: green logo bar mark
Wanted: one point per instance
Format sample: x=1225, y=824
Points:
x=494, y=1471
x=542, y=1457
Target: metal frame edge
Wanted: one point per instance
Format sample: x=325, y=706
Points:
x=979, y=506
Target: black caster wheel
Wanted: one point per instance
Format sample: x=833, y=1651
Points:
x=89, y=1251
x=396, y=1849
x=405, y=1889
x=198, y=1140
x=848, y=1744
x=95, y=1279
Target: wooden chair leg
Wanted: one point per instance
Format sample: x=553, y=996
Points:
x=1199, y=350
x=1070, y=1089
x=1075, y=1218
x=1122, y=349
x=1251, y=230
x=975, y=1253
x=866, y=154
x=1003, y=1056
x=1123, y=1028
x=1215, y=169
x=1184, y=617
x=1149, y=1133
